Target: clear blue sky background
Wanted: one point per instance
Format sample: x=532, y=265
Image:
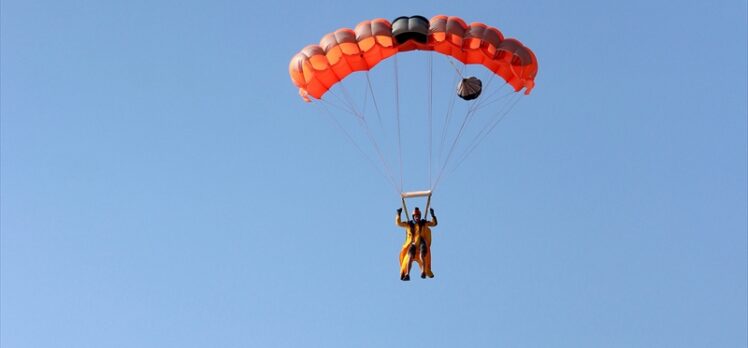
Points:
x=164, y=186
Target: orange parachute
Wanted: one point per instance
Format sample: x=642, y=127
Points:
x=430, y=142
x=316, y=68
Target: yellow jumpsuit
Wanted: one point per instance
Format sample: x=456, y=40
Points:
x=415, y=234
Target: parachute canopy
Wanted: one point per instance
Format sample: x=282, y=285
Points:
x=316, y=68
x=423, y=139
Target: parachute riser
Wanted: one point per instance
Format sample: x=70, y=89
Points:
x=428, y=204
x=414, y=194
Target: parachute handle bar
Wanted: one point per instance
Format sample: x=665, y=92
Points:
x=427, y=193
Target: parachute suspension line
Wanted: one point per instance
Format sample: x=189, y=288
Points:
x=345, y=98
x=497, y=99
x=365, y=103
x=379, y=153
x=481, y=101
x=374, y=100
x=459, y=72
x=431, y=108
x=365, y=126
x=405, y=208
x=447, y=118
x=397, y=113
x=350, y=101
x=348, y=136
x=379, y=119
x=473, y=108
x=428, y=205
x=509, y=106
x=345, y=107
x=491, y=77
x=450, y=109
x=468, y=114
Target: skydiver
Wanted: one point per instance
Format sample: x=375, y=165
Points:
x=417, y=246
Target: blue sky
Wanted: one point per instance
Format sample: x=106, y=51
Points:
x=163, y=185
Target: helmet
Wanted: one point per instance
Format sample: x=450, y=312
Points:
x=417, y=212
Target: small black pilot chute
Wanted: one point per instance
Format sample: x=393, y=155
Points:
x=469, y=88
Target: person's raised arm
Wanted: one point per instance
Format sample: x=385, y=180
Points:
x=433, y=221
x=398, y=221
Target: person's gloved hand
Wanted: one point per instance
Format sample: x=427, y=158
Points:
x=399, y=211
x=432, y=211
